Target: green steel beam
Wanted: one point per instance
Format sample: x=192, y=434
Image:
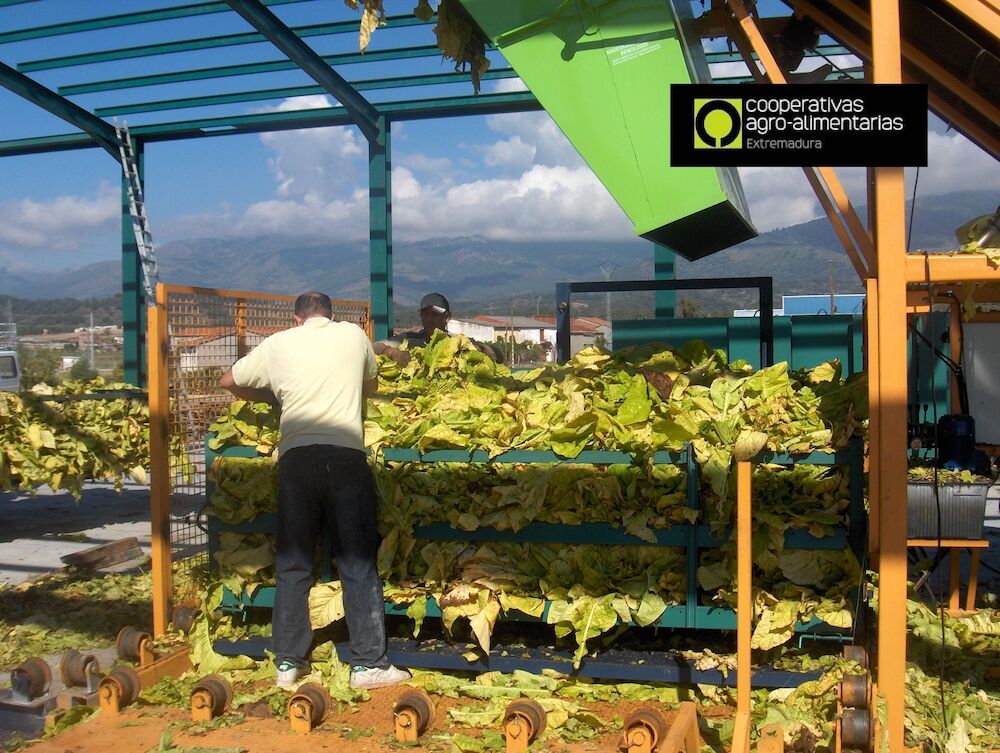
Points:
x=380, y=228
x=480, y=104
x=664, y=263
x=201, y=43
x=245, y=69
x=210, y=100
x=828, y=50
x=44, y=144
x=101, y=132
x=268, y=24
x=123, y=19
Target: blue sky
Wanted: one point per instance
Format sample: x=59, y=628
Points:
x=511, y=176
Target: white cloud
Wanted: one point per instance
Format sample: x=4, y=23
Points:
x=540, y=188
x=543, y=203
x=529, y=133
x=315, y=164
x=781, y=196
x=955, y=164
x=422, y=163
x=61, y=223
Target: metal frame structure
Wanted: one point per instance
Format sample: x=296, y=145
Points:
x=375, y=120
x=765, y=295
x=876, y=250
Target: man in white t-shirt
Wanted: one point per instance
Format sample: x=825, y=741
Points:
x=319, y=373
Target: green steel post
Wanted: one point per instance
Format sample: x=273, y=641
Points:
x=664, y=260
x=133, y=296
x=692, y=552
x=380, y=228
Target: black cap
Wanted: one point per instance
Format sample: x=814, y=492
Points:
x=435, y=301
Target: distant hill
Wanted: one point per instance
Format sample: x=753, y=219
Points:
x=477, y=273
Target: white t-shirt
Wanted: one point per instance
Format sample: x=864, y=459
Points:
x=317, y=371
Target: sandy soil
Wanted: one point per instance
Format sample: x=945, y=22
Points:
x=365, y=728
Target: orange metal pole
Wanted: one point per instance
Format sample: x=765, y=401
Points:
x=744, y=596
x=931, y=69
x=827, y=176
x=955, y=555
x=858, y=231
x=838, y=224
x=987, y=140
x=955, y=341
x=892, y=396
x=871, y=365
x=986, y=13
x=744, y=584
x=159, y=466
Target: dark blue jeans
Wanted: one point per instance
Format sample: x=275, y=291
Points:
x=324, y=485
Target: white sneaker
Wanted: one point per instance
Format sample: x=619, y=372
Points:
x=377, y=677
x=287, y=676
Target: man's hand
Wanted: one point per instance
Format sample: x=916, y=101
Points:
x=402, y=357
x=253, y=394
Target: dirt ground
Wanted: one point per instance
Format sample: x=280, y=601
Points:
x=366, y=728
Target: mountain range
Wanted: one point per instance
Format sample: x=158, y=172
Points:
x=489, y=273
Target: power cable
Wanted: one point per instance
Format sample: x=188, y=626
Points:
x=937, y=505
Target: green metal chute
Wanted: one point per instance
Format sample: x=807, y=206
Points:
x=602, y=69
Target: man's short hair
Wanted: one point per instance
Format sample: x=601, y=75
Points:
x=435, y=302
x=313, y=304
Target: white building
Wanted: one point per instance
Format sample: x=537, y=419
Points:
x=539, y=330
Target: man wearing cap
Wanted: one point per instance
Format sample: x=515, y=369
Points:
x=318, y=372
x=435, y=312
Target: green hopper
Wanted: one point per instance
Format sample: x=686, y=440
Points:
x=602, y=69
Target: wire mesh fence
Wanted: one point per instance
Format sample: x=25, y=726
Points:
x=207, y=330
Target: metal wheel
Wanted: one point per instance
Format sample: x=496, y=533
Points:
x=129, y=641
x=855, y=691
x=75, y=666
x=527, y=714
x=219, y=691
x=183, y=618
x=313, y=696
x=856, y=653
x=646, y=721
x=127, y=680
x=856, y=729
x=421, y=704
x=31, y=678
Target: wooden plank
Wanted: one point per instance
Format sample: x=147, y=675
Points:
x=103, y=555
x=951, y=543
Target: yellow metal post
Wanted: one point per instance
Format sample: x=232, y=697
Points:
x=159, y=438
x=892, y=395
x=744, y=607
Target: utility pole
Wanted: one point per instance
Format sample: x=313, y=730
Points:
x=833, y=292
x=91, y=331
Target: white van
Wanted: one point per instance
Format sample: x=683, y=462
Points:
x=10, y=371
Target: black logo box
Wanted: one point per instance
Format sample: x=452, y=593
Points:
x=855, y=125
